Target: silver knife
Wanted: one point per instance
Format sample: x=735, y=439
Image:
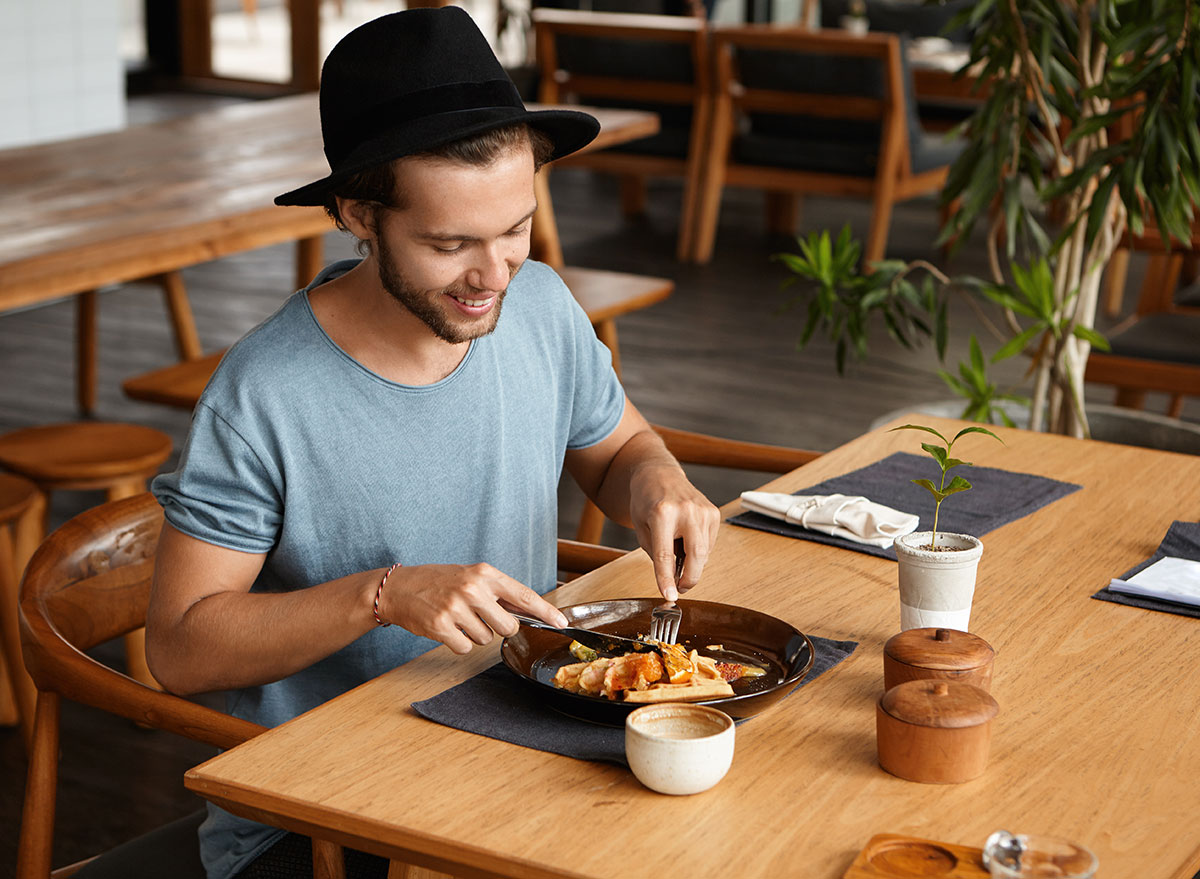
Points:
x=599, y=641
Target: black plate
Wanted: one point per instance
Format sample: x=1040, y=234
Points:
x=745, y=635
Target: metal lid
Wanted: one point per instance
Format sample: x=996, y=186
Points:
x=942, y=649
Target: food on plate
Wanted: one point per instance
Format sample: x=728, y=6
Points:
x=582, y=653
x=678, y=675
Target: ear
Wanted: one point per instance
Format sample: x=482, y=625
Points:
x=359, y=218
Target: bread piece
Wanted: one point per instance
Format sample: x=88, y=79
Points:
x=692, y=691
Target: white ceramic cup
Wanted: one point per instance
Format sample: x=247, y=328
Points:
x=679, y=748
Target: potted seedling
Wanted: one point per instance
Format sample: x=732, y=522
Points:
x=937, y=568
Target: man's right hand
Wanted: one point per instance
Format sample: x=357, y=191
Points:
x=460, y=605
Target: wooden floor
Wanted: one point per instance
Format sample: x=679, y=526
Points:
x=718, y=356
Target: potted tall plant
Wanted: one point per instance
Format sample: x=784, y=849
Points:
x=1087, y=128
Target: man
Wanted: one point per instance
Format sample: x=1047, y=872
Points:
x=374, y=468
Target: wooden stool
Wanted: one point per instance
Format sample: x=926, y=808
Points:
x=87, y=455
x=21, y=510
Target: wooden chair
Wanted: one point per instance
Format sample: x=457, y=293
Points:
x=21, y=506
x=711, y=451
x=89, y=582
x=1155, y=352
x=802, y=111
x=111, y=457
x=653, y=62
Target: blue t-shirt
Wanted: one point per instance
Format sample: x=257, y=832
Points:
x=298, y=451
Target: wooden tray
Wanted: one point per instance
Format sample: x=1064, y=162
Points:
x=892, y=856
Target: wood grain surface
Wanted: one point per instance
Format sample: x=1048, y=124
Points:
x=82, y=213
x=1094, y=740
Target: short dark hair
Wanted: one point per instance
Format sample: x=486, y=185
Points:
x=378, y=183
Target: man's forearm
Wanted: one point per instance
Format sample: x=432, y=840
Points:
x=642, y=457
x=232, y=639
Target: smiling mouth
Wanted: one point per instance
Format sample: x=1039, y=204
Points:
x=472, y=303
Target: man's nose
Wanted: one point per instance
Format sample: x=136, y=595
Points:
x=496, y=265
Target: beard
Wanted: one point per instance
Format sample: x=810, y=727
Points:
x=428, y=306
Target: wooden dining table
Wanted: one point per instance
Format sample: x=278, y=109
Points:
x=1097, y=738
x=148, y=200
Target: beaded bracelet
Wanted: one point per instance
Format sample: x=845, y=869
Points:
x=379, y=594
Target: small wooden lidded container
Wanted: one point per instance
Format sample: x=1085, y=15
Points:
x=937, y=654
x=937, y=732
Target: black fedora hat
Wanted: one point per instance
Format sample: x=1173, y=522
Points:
x=412, y=81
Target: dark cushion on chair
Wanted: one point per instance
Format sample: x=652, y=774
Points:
x=857, y=158
x=1173, y=338
x=168, y=852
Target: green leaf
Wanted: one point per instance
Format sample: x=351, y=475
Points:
x=929, y=487
x=967, y=430
x=1098, y=208
x=1093, y=338
x=920, y=427
x=1018, y=343
x=956, y=485
x=976, y=355
x=1004, y=297
x=938, y=453
x=954, y=384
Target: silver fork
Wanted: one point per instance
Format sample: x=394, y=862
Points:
x=664, y=622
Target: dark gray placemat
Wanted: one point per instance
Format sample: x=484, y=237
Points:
x=1182, y=542
x=496, y=703
x=997, y=498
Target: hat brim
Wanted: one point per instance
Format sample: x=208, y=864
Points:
x=568, y=130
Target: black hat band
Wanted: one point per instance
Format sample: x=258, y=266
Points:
x=438, y=99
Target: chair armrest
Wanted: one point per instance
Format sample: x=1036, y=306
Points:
x=699, y=448
x=576, y=557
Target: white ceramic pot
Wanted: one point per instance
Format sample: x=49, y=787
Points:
x=937, y=585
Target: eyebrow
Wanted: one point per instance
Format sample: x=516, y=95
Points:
x=446, y=236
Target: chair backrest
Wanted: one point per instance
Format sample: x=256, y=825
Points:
x=87, y=583
x=815, y=100
x=640, y=61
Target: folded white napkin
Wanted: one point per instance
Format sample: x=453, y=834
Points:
x=854, y=518
x=1169, y=578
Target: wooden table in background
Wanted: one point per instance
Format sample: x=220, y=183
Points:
x=1096, y=740
x=149, y=200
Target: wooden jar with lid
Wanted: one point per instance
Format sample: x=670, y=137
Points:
x=936, y=732
x=937, y=654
